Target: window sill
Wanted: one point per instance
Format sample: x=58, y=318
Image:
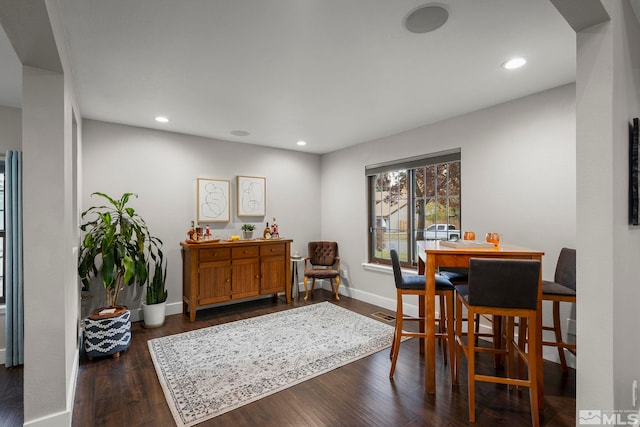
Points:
x=381, y=268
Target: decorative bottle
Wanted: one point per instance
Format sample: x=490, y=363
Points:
x=266, y=234
x=192, y=231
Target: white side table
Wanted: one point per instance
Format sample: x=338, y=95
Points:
x=295, y=278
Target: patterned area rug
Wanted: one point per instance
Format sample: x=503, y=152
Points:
x=210, y=371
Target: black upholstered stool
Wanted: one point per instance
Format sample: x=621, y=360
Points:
x=416, y=285
x=562, y=289
x=505, y=288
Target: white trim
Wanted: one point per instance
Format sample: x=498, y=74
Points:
x=383, y=268
x=59, y=419
x=172, y=308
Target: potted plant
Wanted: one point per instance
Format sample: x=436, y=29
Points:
x=154, y=307
x=117, y=248
x=247, y=231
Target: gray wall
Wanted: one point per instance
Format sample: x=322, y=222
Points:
x=162, y=168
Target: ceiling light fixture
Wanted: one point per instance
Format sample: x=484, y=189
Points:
x=514, y=63
x=301, y=143
x=426, y=18
x=239, y=133
x=162, y=119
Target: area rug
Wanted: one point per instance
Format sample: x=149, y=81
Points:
x=210, y=371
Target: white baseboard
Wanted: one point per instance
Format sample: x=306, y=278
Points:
x=172, y=308
x=60, y=419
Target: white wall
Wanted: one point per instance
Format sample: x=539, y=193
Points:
x=608, y=73
x=10, y=139
x=518, y=179
x=51, y=292
x=162, y=168
x=626, y=95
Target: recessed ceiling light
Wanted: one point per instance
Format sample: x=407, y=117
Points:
x=162, y=119
x=514, y=63
x=239, y=133
x=301, y=143
x=426, y=18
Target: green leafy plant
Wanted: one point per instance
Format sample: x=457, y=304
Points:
x=156, y=292
x=248, y=227
x=118, y=247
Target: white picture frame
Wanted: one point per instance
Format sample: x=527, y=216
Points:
x=213, y=200
x=251, y=197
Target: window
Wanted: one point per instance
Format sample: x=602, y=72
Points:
x=411, y=200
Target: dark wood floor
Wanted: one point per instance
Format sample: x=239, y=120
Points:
x=126, y=392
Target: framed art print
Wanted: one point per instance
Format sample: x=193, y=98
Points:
x=213, y=200
x=252, y=196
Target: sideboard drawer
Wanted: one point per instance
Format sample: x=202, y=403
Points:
x=215, y=254
x=272, y=249
x=244, y=251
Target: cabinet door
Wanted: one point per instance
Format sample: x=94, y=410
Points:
x=215, y=282
x=273, y=274
x=245, y=274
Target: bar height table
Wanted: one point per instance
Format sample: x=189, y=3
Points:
x=432, y=255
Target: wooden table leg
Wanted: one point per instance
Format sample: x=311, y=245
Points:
x=430, y=325
x=421, y=305
x=538, y=339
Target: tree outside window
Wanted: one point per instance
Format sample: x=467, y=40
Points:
x=412, y=204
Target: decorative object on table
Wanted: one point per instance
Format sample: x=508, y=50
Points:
x=323, y=262
x=252, y=196
x=467, y=244
x=274, y=230
x=191, y=234
x=469, y=235
x=207, y=372
x=266, y=233
x=493, y=238
x=207, y=233
x=247, y=231
x=213, y=200
x=118, y=248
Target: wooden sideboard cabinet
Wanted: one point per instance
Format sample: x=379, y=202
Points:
x=225, y=271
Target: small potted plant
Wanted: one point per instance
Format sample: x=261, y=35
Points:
x=154, y=307
x=247, y=231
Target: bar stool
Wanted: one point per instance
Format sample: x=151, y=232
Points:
x=507, y=288
x=562, y=289
x=416, y=285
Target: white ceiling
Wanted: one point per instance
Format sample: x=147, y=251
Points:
x=334, y=73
